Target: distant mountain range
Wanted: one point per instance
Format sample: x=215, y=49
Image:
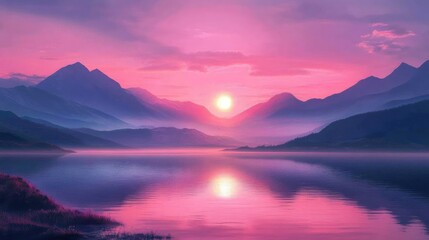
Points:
x=293, y=117
x=138, y=106
x=180, y=111
x=402, y=128
x=162, y=137
x=67, y=107
x=76, y=97
x=50, y=133
x=96, y=90
x=368, y=94
x=10, y=142
x=28, y=132
x=14, y=82
x=36, y=103
x=88, y=109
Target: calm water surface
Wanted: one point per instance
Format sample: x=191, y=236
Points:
x=208, y=194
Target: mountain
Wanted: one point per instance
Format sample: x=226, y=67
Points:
x=418, y=85
x=405, y=127
x=177, y=110
x=337, y=105
x=96, y=90
x=374, y=85
x=290, y=118
x=12, y=124
x=397, y=103
x=36, y=103
x=414, y=89
x=10, y=142
x=266, y=109
x=19, y=79
x=13, y=82
x=162, y=137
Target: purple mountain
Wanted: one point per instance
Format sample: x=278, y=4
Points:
x=96, y=90
x=162, y=137
x=277, y=103
x=180, y=111
x=39, y=104
x=345, y=103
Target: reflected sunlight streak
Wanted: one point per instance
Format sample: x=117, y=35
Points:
x=224, y=186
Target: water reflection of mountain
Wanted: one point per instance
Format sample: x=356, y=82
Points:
x=372, y=182
x=92, y=181
x=395, y=183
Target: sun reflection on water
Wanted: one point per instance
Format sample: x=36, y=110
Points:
x=224, y=186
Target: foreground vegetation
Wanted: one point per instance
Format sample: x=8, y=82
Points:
x=26, y=213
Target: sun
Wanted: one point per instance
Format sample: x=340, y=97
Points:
x=224, y=102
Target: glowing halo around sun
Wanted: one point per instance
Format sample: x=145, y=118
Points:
x=224, y=102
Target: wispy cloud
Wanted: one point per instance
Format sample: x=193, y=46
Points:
x=385, y=38
x=25, y=77
x=203, y=61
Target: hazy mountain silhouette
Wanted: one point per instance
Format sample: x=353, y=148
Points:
x=11, y=123
x=176, y=110
x=285, y=117
x=397, y=103
x=13, y=82
x=11, y=142
x=373, y=85
x=37, y=103
x=275, y=104
x=405, y=127
x=417, y=87
x=162, y=137
x=94, y=89
x=342, y=104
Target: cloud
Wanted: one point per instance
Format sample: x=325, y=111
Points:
x=202, y=61
x=122, y=21
x=379, y=24
x=385, y=38
x=392, y=34
x=387, y=47
x=25, y=77
x=389, y=33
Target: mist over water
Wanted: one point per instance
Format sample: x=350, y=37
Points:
x=210, y=194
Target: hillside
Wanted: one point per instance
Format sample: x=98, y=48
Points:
x=10, y=142
x=405, y=127
x=36, y=103
x=55, y=135
x=162, y=137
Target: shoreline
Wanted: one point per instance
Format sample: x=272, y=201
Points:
x=26, y=213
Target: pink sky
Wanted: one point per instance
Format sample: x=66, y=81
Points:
x=194, y=50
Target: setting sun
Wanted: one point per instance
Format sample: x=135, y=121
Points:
x=224, y=102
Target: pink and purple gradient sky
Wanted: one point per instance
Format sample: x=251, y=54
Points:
x=194, y=50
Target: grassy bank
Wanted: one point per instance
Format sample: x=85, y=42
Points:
x=26, y=213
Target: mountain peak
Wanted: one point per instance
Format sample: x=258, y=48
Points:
x=77, y=66
x=402, y=72
x=97, y=71
x=402, y=68
x=284, y=97
x=404, y=65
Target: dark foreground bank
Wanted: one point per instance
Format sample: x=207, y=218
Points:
x=26, y=213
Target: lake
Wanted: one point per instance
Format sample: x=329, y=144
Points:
x=210, y=194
